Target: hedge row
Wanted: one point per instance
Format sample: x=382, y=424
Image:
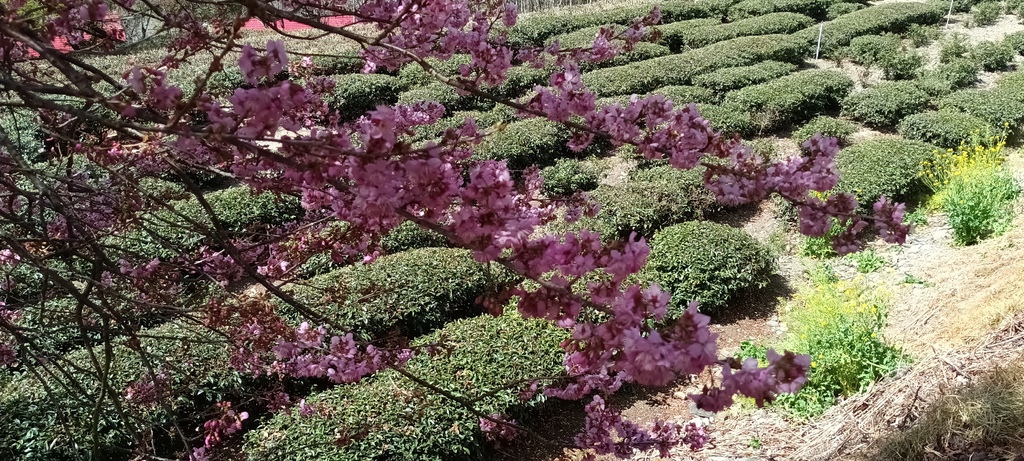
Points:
x=681, y=95
x=390, y=417
x=680, y=69
x=706, y=262
x=355, y=94
x=500, y=113
x=567, y=176
x=817, y=9
x=734, y=78
x=880, y=167
x=412, y=75
x=37, y=426
x=793, y=98
x=238, y=209
x=886, y=104
x=942, y=128
x=650, y=200
x=444, y=94
x=412, y=292
x=888, y=17
x=680, y=38
x=525, y=143
x=535, y=29
x=948, y=77
x=827, y=126
x=996, y=107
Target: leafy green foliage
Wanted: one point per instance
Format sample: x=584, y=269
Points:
x=680, y=69
x=706, y=262
x=942, y=128
x=409, y=236
x=922, y=35
x=994, y=107
x=1016, y=41
x=986, y=13
x=734, y=78
x=827, y=126
x=867, y=261
x=397, y=419
x=444, y=94
x=993, y=56
x=567, y=176
x=953, y=47
x=413, y=75
x=354, y=94
x=687, y=36
x=836, y=10
x=840, y=325
x=885, y=104
x=948, y=77
x=728, y=118
x=20, y=129
x=886, y=17
x=979, y=203
x=652, y=199
x=412, y=293
x=880, y=167
x=873, y=50
x=903, y=65
x=524, y=143
x=817, y=9
x=793, y=98
x=821, y=247
x=681, y=95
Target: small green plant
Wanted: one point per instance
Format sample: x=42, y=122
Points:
x=993, y=56
x=918, y=217
x=867, y=261
x=979, y=203
x=821, y=247
x=953, y=47
x=840, y=325
x=755, y=443
x=911, y=279
x=986, y=14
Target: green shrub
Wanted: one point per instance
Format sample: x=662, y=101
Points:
x=524, y=143
x=239, y=211
x=986, y=13
x=483, y=120
x=903, y=65
x=444, y=94
x=728, y=118
x=652, y=199
x=567, y=176
x=840, y=325
x=412, y=292
x=412, y=75
x=886, y=17
x=682, y=94
x=942, y=128
x=734, y=78
x=827, y=126
x=873, y=50
x=963, y=6
x=922, y=35
x=355, y=94
x=817, y=9
x=885, y=104
x=992, y=56
x=20, y=129
x=880, y=167
x=39, y=425
x=1016, y=41
x=410, y=236
x=994, y=107
x=400, y=421
x=644, y=76
x=867, y=261
x=706, y=262
x=839, y=9
x=954, y=46
x=980, y=203
x=342, y=62
x=948, y=77
x=690, y=36
x=793, y=98
x=534, y=29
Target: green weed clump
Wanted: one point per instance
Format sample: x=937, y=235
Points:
x=840, y=324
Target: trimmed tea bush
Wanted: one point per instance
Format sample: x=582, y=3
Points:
x=880, y=167
x=793, y=98
x=887, y=17
x=728, y=118
x=948, y=77
x=827, y=126
x=528, y=142
x=734, y=78
x=817, y=9
x=342, y=62
x=1016, y=41
x=682, y=94
x=644, y=76
x=412, y=75
x=20, y=129
x=692, y=36
x=994, y=107
x=706, y=262
x=840, y=9
x=903, y=65
x=444, y=94
x=354, y=94
x=993, y=56
x=872, y=50
x=885, y=104
x=400, y=421
x=410, y=236
x=412, y=292
x=567, y=176
x=986, y=14
x=652, y=199
x=942, y=128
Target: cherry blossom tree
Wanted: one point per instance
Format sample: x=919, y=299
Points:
x=65, y=226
